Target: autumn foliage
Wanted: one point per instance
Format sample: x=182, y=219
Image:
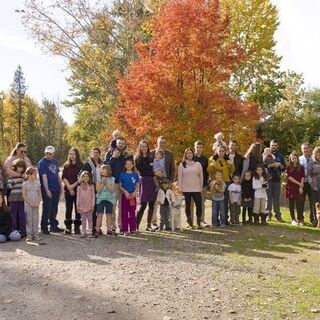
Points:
x=177, y=86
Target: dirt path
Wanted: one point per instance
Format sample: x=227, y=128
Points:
x=237, y=273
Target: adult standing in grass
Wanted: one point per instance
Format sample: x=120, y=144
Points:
x=305, y=159
x=190, y=182
x=235, y=157
x=51, y=188
x=275, y=170
x=252, y=158
x=147, y=192
x=70, y=173
x=294, y=188
x=314, y=174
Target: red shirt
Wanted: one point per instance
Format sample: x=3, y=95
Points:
x=292, y=189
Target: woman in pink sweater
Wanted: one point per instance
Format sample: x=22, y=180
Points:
x=190, y=182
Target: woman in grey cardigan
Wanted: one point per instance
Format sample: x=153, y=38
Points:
x=314, y=174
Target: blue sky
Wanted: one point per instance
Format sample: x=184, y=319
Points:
x=298, y=42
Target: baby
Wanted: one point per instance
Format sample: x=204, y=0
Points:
x=219, y=143
x=159, y=168
x=115, y=135
x=268, y=157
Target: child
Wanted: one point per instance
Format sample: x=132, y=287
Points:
x=32, y=195
x=294, y=188
x=235, y=199
x=217, y=188
x=113, y=143
x=159, y=169
x=260, y=185
x=165, y=198
x=129, y=184
x=15, y=198
x=219, y=143
x=6, y=232
x=247, y=197
x=175, y=212
x=106, y=199
x=268, y=157
x=85, y=201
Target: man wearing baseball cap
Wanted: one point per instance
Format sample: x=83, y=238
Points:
x=51, y=187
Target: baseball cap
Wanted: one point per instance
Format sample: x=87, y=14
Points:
x=49, y=149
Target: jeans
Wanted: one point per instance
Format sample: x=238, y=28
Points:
x=218, y=207
x=196, y=196
x=296, y=203
x=234, y=212
x=18, y=216
x=32, y=218
x=307, y=191
x=226, y=201
x=13, y=236
x=49, y=210
x=70, y=204
x=165, y=216
x=273, y=194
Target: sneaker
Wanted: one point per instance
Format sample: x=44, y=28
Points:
x=300, y=223
x=203, y=224
x=269, y=218
x=45, y=231
x=109, y=233
x=29, y=238
x=150, y=229
x=294, y=222
x=37, y=238
x=222, y=225
x=66, y=231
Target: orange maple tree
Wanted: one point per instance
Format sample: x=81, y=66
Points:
x=177, y=86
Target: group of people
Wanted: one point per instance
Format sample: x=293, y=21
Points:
x=131, y=183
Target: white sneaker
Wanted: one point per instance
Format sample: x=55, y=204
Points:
x=37, y=238
x=294, y=222
x=203, y=224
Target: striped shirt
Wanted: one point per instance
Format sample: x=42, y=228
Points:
x=15, y=185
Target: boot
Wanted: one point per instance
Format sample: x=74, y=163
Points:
x=255, y=218
x=77, y=224
x=67, y=223
x=189, y=221
x=263, y=219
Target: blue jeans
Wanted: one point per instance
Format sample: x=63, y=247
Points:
x=49, y=210
x=218, y=208
x=273, y=194
x=13, y=236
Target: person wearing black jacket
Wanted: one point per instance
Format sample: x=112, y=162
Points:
x=247, y=197
x=235, y=157
x=6, y=232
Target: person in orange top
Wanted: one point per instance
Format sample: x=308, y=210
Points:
x=226, y=167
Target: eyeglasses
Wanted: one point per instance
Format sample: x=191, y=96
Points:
x=104, y=176
x=23, y=151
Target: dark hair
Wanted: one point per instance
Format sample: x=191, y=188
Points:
x=255, y=150
x=292, y=167
x=86, y=173
x=18, y=146
x=199, y=143
x=218, y=171
x=161, y=151
x=68, y=163
x=184, y=159
x=139, y=153
x=95, y=149
x=233, y=141
x=19, y=163
x=107, y=168
x=274, y=141
x=133, y=165
x=265, y=175
x=4, y=206
x=236, y=175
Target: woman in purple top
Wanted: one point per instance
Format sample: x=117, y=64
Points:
x=147, y=192
x=71, y=170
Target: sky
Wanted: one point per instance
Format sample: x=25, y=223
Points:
x=297, y=42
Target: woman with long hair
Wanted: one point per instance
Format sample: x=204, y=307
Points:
x=252, y=158
x=70, y=173
x=190, y=182
x=147, y=192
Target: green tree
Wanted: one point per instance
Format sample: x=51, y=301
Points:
x=17, y=92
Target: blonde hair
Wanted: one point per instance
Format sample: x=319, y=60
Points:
x=315, y=151
x=116, y=134
x=219, y=134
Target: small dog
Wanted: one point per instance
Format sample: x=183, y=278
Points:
x=318, y=213
x=175, y=205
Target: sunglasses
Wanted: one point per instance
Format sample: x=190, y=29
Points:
x=23, y=151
